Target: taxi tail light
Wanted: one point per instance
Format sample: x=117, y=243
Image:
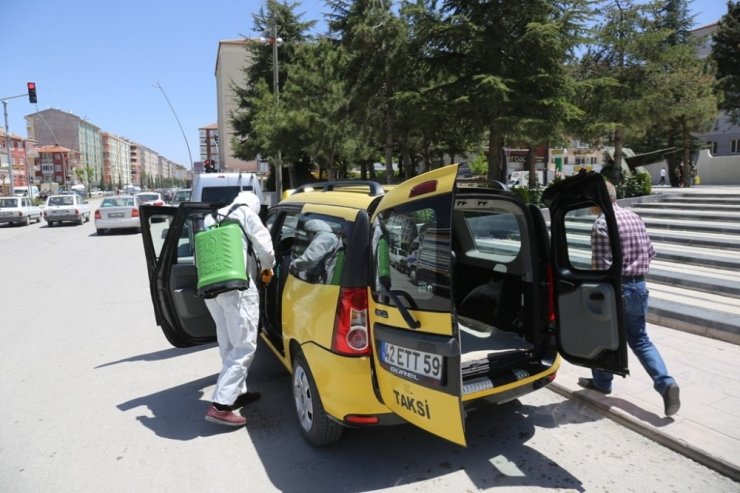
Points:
x=550, y=295
x=134, y=212
x=350, y=324
x=361, y=419
x=423, y=188
x=97, y=215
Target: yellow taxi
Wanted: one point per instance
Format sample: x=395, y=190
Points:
x=481, y=308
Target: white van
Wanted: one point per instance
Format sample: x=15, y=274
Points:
x=22, y=191
x=521, y=178
x=222, y=188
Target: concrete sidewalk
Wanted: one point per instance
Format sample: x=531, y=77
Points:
x=706, y=428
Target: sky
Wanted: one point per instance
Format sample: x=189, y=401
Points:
x=103, y=61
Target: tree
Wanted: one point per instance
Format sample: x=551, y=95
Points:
x=726, y=54
x=612, y=78
x=258, y=84
x=499, y=64
x=375, y=41
x=315, y=96
x=685, y=102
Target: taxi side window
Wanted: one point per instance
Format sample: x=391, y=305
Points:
x=587, y=238
x=412, y=252
x=318, y=251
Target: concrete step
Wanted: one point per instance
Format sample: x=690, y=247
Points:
x=695, y=214
x=701, y=313
x=693, y=206
x=682, y=253
x=713, y=239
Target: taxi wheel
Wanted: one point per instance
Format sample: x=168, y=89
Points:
x=316, y=426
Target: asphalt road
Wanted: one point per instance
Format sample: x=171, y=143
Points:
x=92, y=398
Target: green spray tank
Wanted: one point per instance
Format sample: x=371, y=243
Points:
x=219, y=257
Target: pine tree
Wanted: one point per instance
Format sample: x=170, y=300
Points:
x=726, y=54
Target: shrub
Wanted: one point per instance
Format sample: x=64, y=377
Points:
x=636, y=185
x=529, y=195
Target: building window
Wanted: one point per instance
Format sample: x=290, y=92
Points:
x=735, y=146
x=712, y=146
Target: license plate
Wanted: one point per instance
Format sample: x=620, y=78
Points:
x=60, y=212
x=8, y=214
x=411, y=363
x=116, y=214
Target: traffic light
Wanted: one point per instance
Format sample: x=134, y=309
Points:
x=31, y=92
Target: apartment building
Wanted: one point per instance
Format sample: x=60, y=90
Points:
x=60, y=128
x=231, y=60
x=21, y=151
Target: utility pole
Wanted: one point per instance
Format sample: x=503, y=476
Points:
x=276, y=91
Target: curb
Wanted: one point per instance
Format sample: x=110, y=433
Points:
x=671, y=442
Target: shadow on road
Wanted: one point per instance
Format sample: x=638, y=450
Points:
x=160, y=355
x=177, y=413
x=373, y=458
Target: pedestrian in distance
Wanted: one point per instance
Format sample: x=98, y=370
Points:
x=662, y=176
x=236, y=314
x=637, y=252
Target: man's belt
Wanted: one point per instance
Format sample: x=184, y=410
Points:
x=633, y=278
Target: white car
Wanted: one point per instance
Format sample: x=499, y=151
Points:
x=71, y=207
x=150, y=198
x=119, y=212
x=18, y=210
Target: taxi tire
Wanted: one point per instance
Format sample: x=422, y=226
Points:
x=316, y=426
x=27, y=221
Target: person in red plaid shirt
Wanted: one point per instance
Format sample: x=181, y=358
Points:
x=637, y=252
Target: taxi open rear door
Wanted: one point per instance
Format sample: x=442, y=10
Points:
x=416, y=346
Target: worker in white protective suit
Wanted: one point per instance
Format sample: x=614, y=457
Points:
x=236, y=314
x=316, y=264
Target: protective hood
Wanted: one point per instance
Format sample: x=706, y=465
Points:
x=317, y=225
x=249, y=199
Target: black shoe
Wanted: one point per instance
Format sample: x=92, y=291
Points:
x=245, y=399
x=671, y=400
x=588, y=383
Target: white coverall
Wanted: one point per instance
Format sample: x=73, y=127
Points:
x=236, y=313
x=322, y=244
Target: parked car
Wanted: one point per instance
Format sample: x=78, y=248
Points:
x=118, y=212
x=367, y=347
x=66, y=207
x=18, y=210
x=181, y=195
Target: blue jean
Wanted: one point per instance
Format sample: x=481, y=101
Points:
x=635, y=300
